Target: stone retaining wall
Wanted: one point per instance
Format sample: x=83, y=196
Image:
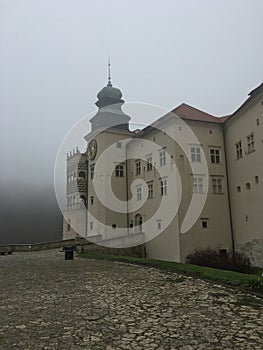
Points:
x=82, y=244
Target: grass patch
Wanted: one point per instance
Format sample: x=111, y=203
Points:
x=249, y=282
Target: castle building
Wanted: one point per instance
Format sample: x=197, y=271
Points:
x=213, y=165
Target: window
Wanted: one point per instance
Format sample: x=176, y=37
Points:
x=119, y=170
x=163, y=187
x=223, y=253
x=256, y=179
x=239, y=150
x=82, y=175
x=195, y=154
x=118, y=144
x=217, y=185
x=159, y=224
x=162, y=157
x=91, y=200
x=215, y=156
x=149, y=160
x=138, y=167
x=113, y=226
x=198, y=184
x=139, y=193
x=238, y=189
x=250, y=143
x=204, y=223
x=150, y=190
x=248, y=186
x=257, y=121
x=91, y=225
x=92, y=171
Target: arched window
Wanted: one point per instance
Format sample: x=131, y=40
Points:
x=248, y=186
x=82, y=175
x=83, y=200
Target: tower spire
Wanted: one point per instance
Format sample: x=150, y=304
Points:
x=109, y=73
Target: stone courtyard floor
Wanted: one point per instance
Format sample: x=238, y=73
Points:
x=49, y=303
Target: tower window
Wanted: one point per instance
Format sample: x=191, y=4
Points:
x=257, y=121
x=92, y=167
x=256, y=179
x=91, y=200
x=82, y=175
x=238, y=189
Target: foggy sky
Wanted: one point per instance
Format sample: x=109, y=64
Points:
x=53, y=62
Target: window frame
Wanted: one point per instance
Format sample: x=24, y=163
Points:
x=250, y=143
x=217, y=184
x=195, y=151
x=149, y=161
x=138, y=167
x=139, y=193
x=239, y=150
x=119, y=170
x=164, y=186
x=198, y=186
x=150, y=190
x=215, y=158
x=162, y=157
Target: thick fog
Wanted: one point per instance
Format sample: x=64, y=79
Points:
x=53, y=62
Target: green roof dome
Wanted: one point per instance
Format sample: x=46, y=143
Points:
x=110, y=92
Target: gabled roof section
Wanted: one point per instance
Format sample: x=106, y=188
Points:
x=185, y=111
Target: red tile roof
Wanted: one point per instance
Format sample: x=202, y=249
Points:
x=185, y=111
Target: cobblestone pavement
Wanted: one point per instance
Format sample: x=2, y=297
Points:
x=49, y=303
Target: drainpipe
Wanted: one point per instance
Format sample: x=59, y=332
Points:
x=228, y=192
x=127, y=184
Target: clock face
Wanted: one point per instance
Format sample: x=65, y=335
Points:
x=92, y=149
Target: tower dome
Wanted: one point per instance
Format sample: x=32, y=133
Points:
x=109, y=92
x=109, y=95
x=110, y=113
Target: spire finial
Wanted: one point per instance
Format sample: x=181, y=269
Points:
x=109, y=75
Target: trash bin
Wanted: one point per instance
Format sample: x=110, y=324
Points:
x=69, y=252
